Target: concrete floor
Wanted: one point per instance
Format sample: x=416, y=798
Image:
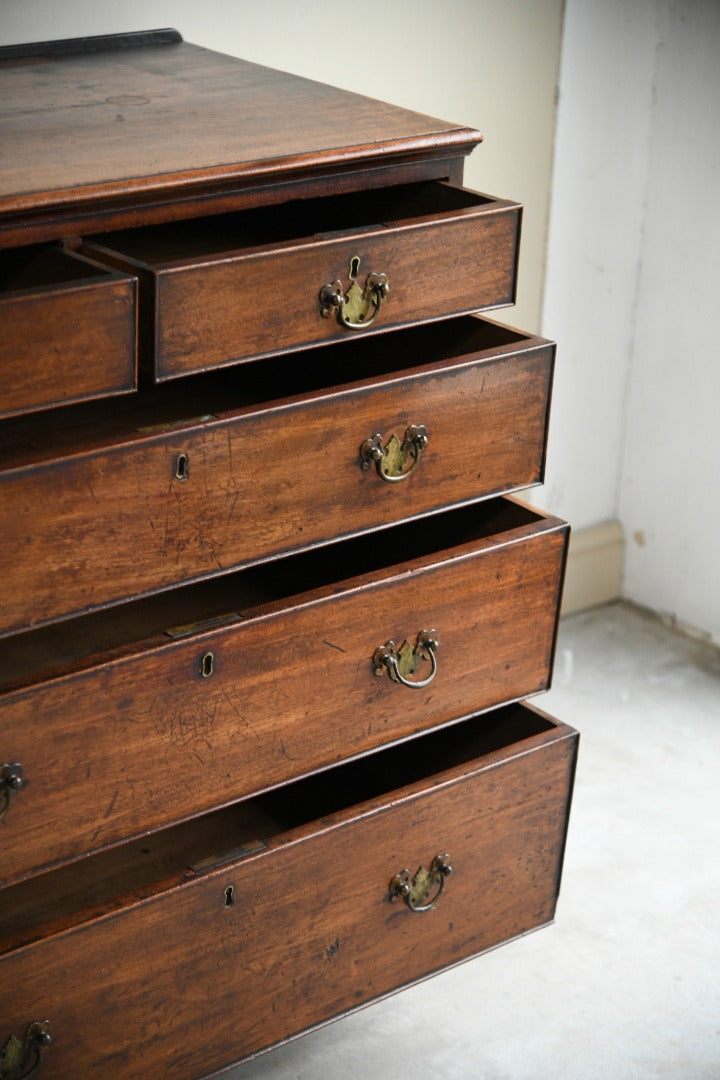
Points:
x=626, y=984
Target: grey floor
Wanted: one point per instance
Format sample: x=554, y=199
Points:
x=626, y=984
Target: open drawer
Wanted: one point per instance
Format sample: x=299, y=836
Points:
x=132, y=719
x=251, y=475
x=68, y=329
x=243, y=928
x=238, y=286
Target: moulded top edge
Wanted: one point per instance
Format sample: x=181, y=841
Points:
x=86, y=127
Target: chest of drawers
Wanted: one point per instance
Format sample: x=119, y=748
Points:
x=268, y=607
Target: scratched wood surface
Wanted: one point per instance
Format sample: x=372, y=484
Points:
x=311, y=933
x=86, y=135
x=270, y=478
x=293, y=687
x=193, y=870
x=444, y=250
x=68, y=330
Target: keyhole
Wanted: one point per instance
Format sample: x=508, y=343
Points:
x=230, y=896
x=354, y=267
x=181, y=467
x=207, y=665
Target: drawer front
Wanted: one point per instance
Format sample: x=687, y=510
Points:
x=148, y=739
x=267, y=481
x=191, y=982
x=215, y=309
x=437, y=270
x=67, y=341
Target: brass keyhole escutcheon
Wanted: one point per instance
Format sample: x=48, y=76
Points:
x=207, y=665
x=182, y=467
x=358, y=307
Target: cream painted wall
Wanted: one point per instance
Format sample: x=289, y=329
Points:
x=670, y=467
x=596, y=221
x=478, y=62
x=633, y=277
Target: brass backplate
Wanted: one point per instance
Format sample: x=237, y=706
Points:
x=12, y=1057
x=409, y=658
x=357, y=305
x=421, y=885
x=396, y=455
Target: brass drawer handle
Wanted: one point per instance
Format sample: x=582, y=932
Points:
x=357, y=308
x=399, y=663
x=20, y=1059
x=391, y=460
x=11, y=782
x=416, y=890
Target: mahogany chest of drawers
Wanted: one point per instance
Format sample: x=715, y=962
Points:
x=267, y=612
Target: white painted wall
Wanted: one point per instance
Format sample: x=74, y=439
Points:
x=670, y=475
x=599, y=187
x=633, y=280
x=484, y=64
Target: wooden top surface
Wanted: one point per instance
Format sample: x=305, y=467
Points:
x=122, y=121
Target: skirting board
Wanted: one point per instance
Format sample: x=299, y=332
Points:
x=594, y=568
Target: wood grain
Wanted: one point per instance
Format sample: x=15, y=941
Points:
x=146, y=740
x=68, y=330
x=219, y=781
x=145, y=122
x=311, y=933
x=270, y=478
x=445, y=252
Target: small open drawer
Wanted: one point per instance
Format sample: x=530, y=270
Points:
x=68, y=329
x=132, y=719
x=228, y=473
x=238, y=286
x=243, y=928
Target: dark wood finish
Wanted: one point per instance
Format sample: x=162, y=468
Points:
x=68, y=330
x=218, y=196
x=208, y=778
x=169, y=121
x=235, y=288
x=94, y=497
x=132, y=722
x=190, y=983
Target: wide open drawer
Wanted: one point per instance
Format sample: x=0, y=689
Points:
x=207, y=694
x=68, y=329
x=203, y=945
x=252, y=476
x=237, y=286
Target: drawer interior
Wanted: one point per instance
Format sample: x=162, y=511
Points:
x=228, y=599
x=112, y=879
x=222, y=394
x=42, y=266
x=160, y=245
